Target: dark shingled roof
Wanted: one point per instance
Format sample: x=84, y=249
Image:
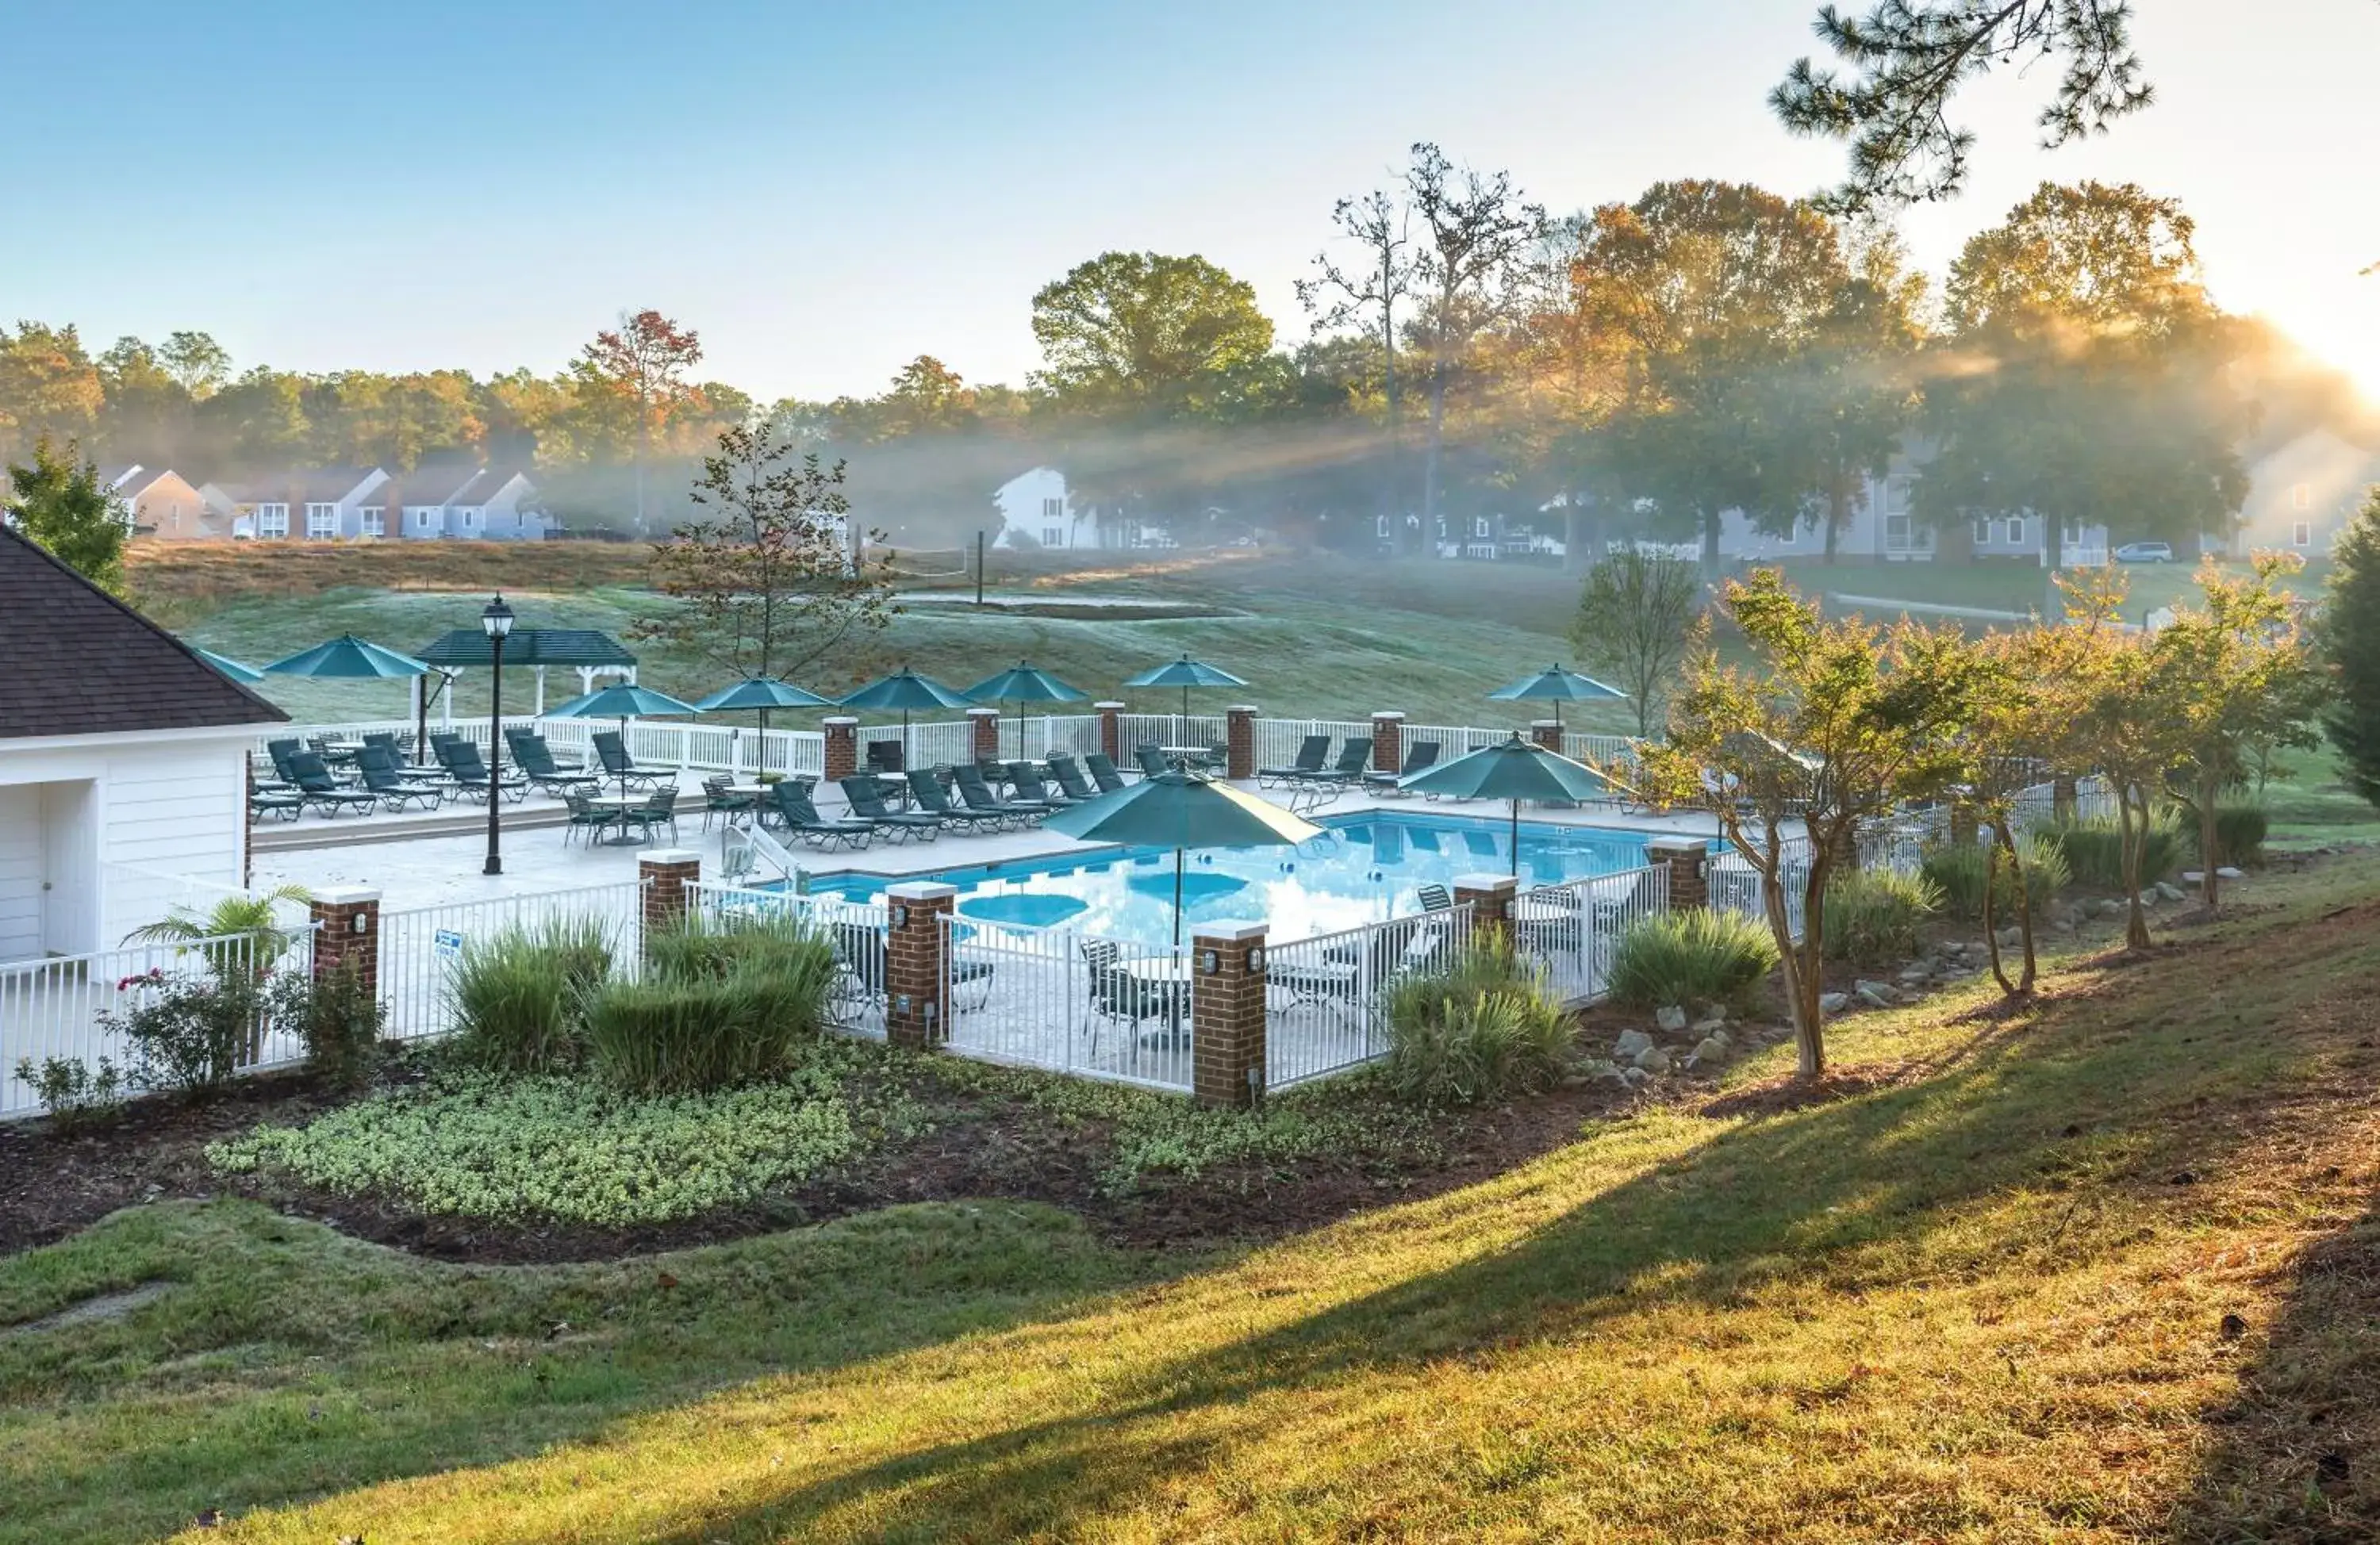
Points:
x=74, y=660
x=468, y=647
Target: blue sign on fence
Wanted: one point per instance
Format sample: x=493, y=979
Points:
x=449, y=944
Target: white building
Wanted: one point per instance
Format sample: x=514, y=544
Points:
x=1034, y=510
x=317, y=504
x=2302, y=495
x=123, y=764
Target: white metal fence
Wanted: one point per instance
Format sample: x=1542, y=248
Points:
x=856, y=929
x=1326, y=997
x=61, y=1007
x=1736, y=887
x=1571, y=929
x=1069, y=1002
x=422, y=948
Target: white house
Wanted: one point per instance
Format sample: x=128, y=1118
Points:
x=159, y=501
x=1034, y=510
x=2302, y=495
x=317, y=504
x=123, y=763
x=497, y=505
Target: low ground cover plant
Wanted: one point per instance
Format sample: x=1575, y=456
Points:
x=1485, y=1028
x=1695, y=955
x=1877, y=917
x=1957, y=871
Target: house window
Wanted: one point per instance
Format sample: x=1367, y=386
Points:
x=2016, y=531
x=375, y=522
x=273, y=520
x=322, y=520
x=1983, y=533
x=1896, y=495
x=1896, y=533
x=1054, y=536
x=1793, y=535
x=1479, y=525
x=2301, y=498
x=2302, y=535
x=1052, y=508
x=471, y=518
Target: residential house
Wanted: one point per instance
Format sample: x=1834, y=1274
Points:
x=161, y=502
x=123, y=763
x=317, y=504
x=422, y=497
x=2302, y=495
x=499, y=504
x=1035, y=512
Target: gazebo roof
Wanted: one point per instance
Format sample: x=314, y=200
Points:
x=464, y=647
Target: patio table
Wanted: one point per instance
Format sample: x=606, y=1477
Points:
x=618, y=805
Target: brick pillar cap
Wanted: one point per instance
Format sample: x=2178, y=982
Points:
x=1228, y=933
x=670, y=856
x=1681, y=846
x=833, y=720
x=983, y=713
x=1104, y=704
x=344, y=896
x=1545, y=724
x=919, y=890
x=1491, y=884
x=1379, y=714
x=1241, y=708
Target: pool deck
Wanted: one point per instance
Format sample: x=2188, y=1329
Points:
x=424, y=860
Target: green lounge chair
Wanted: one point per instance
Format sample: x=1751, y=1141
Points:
x=1312, y=752
x=1069, y=777
x=1354, y=752
x=321, y=792
x=621, y=768
x=978, y=796
x=395, y=791
x=926, y=793
x=866, y=801
x=803, y=821
x=1030, y=789
x=1382, y=783
x=1103, y=772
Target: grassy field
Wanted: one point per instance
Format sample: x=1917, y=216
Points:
x=2102, y=1271
x=2004, y=585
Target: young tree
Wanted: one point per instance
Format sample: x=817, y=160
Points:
x=1338, y=297
x=1836, y=722
x=766, y=587
x=2120, y=719
x=2020, y=699
x=57, y=502
x=2350, y=645
x=642, y=365
x=196, y=361
x=1635, y=613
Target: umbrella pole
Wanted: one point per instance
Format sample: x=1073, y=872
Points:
x=1516, y=839
x=1177, y=899
x=625, y=759
x=761, y=756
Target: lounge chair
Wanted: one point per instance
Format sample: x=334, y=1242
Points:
x=926, y=793
x=1355, y=752
x=866, y=802
x=381, y=776
x=281, y=751
x=535, y=759
x=1151, y=759
x=803, y=821
x=1312, y=752
x=1418, y=755
x=619, y=768
x=659, y=809
x=321, y=792
x=1069, y=777
x=1030, y=789
x=978, y=796
x=461, y=759
x=1117, y=993
x=994, y=772
x=1103, y=771
x=276, y=803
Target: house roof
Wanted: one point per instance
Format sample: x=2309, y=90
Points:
x=114, y=473
x=468, y=647
x=320, y=485
x=80, y=662
x=427, y=487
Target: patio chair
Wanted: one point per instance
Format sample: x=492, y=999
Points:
x=535, y=759
x=461, y=759
x=381, y=776
x=926, y=793
x=1382, y=784
x=719, y=799
x=1434, y=897
x=1312, y=752
x=978, y=795
x=281, y=751
x=276, y=803
x=619, y=768
x=993, y=771
x=1151, y=759
x=319, y=791
x=866, y=801
x=659, y=809
x=887, y=757
x=586, y=819
x=1300, y=982
x=1030, y=789
x=803, y=821
x=1103, y=771
x=1117, y=993
x=1069, y=777
x=859, y=954
x=1354, y=752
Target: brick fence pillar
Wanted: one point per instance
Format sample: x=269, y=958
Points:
x=346, y=931
x=1964, y=827
x=914, y=972
x=983, y=734
x=1240, y=740
x=1490, y=898
x=1547, y=734
x=1226, y=1014
x=1388, y=740
x=2064, y=796
x=666, y=873
x=1110, y=730
x=1685, y=858
x=841, y=747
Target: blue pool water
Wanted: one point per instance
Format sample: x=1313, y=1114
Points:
x=1364, y=867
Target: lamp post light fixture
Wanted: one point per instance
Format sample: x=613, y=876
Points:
x=497, y=621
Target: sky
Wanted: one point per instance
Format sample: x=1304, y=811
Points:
x=825, y=191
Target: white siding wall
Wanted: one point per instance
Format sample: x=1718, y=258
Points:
x=21, y=872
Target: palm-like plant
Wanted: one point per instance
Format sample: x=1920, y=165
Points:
x=250, y=916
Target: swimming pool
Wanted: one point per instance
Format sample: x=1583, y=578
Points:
x=1364, y=867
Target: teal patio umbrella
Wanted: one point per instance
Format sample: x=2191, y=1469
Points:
x=1516, y=770
x=623, y=701
x=906, y=690
x=1184, y=674
x=1022, y=685
x=762, y=692
x=1182, y=810
x=347, y=657
x=1555, y=685
x=246, y=675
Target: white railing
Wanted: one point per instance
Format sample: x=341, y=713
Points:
x=1572, y=929
x=1599, y=750
x=1277, y=740
x=856, y=929
x=1135, y=730
x=1735, y=886
x=1326, y=997
x=1069, y=1002
x=1036, y=735
x=422, y=948
x=63, y=1008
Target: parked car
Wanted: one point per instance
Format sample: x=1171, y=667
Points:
x=2144, y=552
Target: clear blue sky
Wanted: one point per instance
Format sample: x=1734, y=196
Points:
x=825, y=191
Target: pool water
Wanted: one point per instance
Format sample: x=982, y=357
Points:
x=1364, y=867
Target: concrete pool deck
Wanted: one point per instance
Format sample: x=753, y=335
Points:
x=423, y=861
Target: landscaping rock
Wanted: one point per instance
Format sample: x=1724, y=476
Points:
x=1631, y=1042
x=1875, y=995
x=1913, y=976
x=1715, y=1023
x=2108, y=906
x=1710, y=1051
x=2011, y=935
x=2170, y=891
x=1670, y=1019
x=2225, y=871
x=1833, y=1002
x=1637, y=1078
x=1653, y=1059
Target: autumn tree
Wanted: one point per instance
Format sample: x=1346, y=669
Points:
x=2019, y=706
x=2119, y=718
x=640, y=368
x=1833, y=723
x=57, y=502
x=198, y=364
x=49, y=386
x=1635, y=613
x=1364, y=295
x=765, y=584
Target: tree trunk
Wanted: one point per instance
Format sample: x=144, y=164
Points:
x=2136, y=925
x=2053, y=545
x=1991, y=931
x=1430, y=457
x=1806, y=962
x=1392, y=492
x=2209, y=790
x=2023, y=904
x=1837, y=502
x=1711, y=523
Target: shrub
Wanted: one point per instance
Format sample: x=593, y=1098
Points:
x=2239, y=832
x=71, y=1091
x=1694, y=957
x=721, y=1004
x=338, y=1020
x=188, y=1029
x=1873, y=915
x=518, y=998
x=2095, y=854
x=1958, y=872
x=1485, y=1028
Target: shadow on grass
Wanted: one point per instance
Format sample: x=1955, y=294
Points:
x=2105, y=1092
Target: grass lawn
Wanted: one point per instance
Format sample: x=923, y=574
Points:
x=2102, y=1271
x=2005, y=585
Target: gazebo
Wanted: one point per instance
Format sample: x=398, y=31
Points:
x=585, y=650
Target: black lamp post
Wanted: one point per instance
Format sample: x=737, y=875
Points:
x=498, y=621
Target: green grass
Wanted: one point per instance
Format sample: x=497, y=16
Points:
x=1972, y=1302
x=2003, y=585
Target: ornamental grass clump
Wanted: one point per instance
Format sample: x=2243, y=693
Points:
x=1958, y=872
x=2094, y=851
x=1696, y=956
x=1875, y=917
x=519, y=998
x=721, y=1003
x=1485, y=1028
x=2240, y=833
